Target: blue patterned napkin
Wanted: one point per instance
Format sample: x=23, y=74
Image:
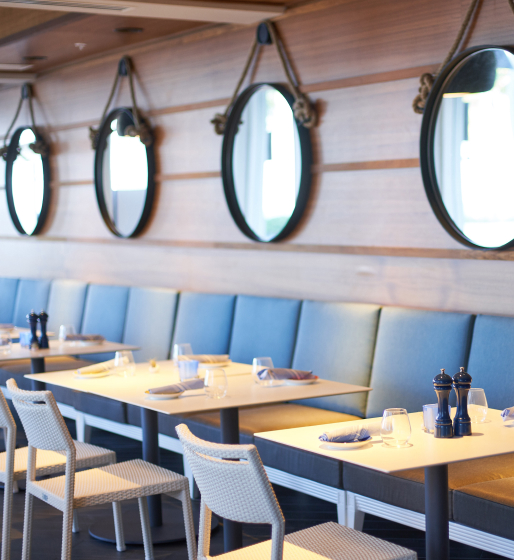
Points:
x=284, y=373
x=351, y=433
x=508, y=414
x=188, y=385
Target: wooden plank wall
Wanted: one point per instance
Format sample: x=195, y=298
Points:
x=369, y=233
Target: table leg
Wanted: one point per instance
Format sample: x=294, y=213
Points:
x=436, y=513
x=232, y=531
x=150, y=428
x=37, y=365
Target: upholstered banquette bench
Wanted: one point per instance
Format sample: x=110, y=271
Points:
x=396, y=351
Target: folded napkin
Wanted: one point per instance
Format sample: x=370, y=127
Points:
x=284, y=373
x=188, y=385
x=85, y=337
x=508, y=414
x=350, y=433
x=204, y=358
x=96, y=368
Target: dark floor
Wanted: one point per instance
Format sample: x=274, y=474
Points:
x=300, y=511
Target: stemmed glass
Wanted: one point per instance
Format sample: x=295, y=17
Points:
x=395, y=429
x=258, y=365
x=124, y=364
x=182, y=349
x=215, y=383
x=477, y=406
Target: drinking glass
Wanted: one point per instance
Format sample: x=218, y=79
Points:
x=395, y=429
x=64, y=331
x=258, y=365
x=430, y=414
x=5, y=343
x=124, y=364
x=188, y=369
x=215, y=383
x=477, y=406
x=183, y=349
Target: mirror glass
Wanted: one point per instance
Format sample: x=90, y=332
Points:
x=473, y=147
x=267, y=162
x=27, y=182
x=124, y=171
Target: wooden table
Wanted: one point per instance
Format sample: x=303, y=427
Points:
x=242, y=392
x=57, y=348
x=488, y=439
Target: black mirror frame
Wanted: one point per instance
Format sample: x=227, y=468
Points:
x=103, y=133
x=426, y=149
x=12, y=153
x=228, y=176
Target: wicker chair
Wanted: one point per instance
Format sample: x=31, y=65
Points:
x=46, y=430
x=234, y=484
x=13, y=467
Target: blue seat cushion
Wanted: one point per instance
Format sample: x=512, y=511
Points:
x=31, y=295
x=204, y=321
x=8, y=288
x=412, y=346
x=491, y=358
x=264, y=327
x=66, y=304
x=336, y=341
x=149, y=322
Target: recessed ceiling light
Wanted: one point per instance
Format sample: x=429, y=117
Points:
x=129, y=30
x=34, y=58
x=15, y=67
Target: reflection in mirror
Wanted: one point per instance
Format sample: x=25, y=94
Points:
x=473, y=147
x=267, y=163
x=28, y=183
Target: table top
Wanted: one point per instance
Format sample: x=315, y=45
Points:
x=58, y=348
x=489, y=438
x=242, y=391
x=14, y=333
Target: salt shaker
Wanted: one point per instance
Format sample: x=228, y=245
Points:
x=443, y=423
x=462, y=421
x=43, y=319
x=32, y=319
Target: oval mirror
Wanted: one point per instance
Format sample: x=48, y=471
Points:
x=27, y=183
x=266, y=163
x=467, y=142
x=124, y=175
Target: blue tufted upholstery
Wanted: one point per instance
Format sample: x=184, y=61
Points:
x=205, y=321
x=264, y=327
x=31, y=294
x=411, y=348
x=66, y=304
x=8, y=287
x=491, y=359
x=336, y=341
x=149, y=322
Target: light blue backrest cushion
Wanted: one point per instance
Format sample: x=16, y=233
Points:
x=264, y=327
x=8, y=288
x=66, y=304
x=491, y=360
x=31, y=294
x=336, y=341
x=104, y=314
x=149, y=322
x=412, y=346
x=204, y=321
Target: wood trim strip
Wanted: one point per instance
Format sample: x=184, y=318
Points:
x=400, y=252
x=186, y=176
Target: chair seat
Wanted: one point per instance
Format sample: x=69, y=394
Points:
x=53, y=462
x=113, y=483
x=329, y=541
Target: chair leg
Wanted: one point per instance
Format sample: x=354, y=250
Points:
x=354, y=517
x=27, y=526
x=7, y=521
x=83, y=430
x=76, y=526
x=118, y=527
x=67, y=527
x=188, y=473
x=183, y=496
x=145, y=527
x=15, y=488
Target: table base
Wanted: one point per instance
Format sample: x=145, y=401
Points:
x=436, y=513
x=37, y=365
x=172, y=530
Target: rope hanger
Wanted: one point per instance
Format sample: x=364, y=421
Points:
x=125, y=69
x=303, y=109
x=39, y=146
x=427, y=79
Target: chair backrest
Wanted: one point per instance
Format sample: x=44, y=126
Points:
x=6, y=417
x=66, y=304
x=31, y=294
x=233, y=484
x=43, y=423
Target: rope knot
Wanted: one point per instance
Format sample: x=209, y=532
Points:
x=220, y=122
x=426, y=82
x=93, y=137
x=39, y=147
x=144, y=133
x=3, y=153
x=304, y=112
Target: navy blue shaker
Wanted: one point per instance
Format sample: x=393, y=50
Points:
x=462, y=421
x=32, y=319
x=43, y=319
x=443, y=423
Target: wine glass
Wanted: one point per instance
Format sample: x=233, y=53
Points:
x=395, y=429
x=258, y=365
x=181, y=349
x=477, y=406
x=215, y=383
x=188, y=369
x=124, y=364
x=5, y=343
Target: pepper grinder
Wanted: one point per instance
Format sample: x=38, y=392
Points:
x=443, y=423
x=462, y=421
x=32, y=319
x=43, y=319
